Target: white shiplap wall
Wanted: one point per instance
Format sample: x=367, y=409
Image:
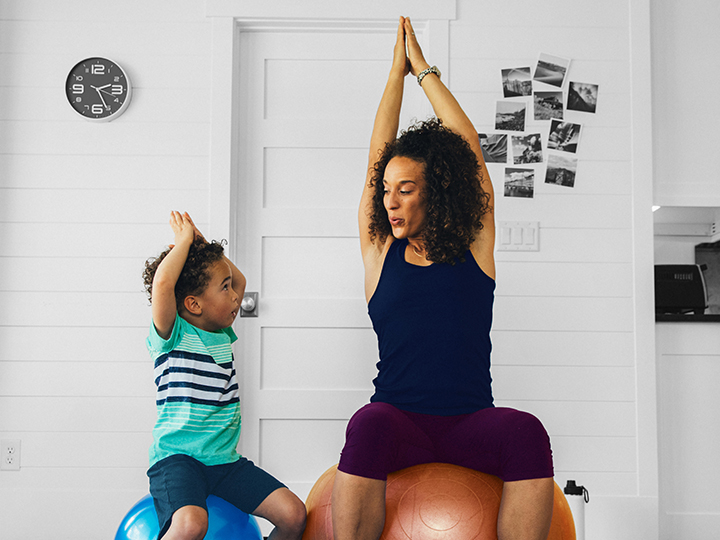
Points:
x=570, y=337
x=563, y=343
x=82, y=205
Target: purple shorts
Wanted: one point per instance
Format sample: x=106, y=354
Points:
x=507, y=443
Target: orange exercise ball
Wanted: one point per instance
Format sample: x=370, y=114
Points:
x=435, y=501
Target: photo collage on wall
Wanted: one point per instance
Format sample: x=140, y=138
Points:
x=547, y=94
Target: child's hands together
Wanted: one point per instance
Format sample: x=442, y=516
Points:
x=184, y=228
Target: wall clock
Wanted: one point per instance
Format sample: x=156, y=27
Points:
x=98, y=89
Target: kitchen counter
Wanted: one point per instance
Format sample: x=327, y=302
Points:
x=688, y=317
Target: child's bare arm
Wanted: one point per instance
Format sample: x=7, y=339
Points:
x=238, y=278
x=164, y=309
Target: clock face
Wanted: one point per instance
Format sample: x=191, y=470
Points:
x=98, y=89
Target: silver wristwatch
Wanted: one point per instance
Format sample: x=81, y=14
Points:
x=424, y=72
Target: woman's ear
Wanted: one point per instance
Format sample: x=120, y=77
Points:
x=192, y=305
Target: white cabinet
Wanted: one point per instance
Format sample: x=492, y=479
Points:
x=688, y=371
x=685, y=74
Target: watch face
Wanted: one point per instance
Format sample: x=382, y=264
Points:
x=98, y=89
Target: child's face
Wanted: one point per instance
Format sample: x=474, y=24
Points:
x=219, y=301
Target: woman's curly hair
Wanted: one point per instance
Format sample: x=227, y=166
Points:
x=195, y=275
x=454, y=199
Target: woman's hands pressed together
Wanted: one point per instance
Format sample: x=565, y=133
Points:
x=407, y=54
x=400, y=65
x=416, y=60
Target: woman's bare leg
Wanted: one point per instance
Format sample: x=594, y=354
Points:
x=526, y=509
x=358, y=507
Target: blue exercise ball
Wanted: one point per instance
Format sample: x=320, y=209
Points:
x=225, y=522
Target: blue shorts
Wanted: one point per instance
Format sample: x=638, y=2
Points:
x=507, y=443
x=180, y=480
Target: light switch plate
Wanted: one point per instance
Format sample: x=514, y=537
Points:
x=518, y=236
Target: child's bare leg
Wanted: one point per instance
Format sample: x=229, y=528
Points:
x=283, y=509
x=188, y=523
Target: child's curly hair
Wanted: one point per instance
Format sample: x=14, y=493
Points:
x=455, y=200
x=195, y=274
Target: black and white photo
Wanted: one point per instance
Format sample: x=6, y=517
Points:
x=582, y=97
x=516, y=82
x=510, y=115
x=551, y=70
x=494, y=147
x=519, y=183
x=561, y=170
x=564, y=136
x=527, y=149
x=548, y=105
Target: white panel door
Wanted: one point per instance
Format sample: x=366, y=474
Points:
x=306, y=103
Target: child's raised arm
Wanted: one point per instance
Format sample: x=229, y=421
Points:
x=164, y=307
x=238, y=278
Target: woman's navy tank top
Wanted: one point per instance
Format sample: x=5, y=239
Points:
x=433, y=328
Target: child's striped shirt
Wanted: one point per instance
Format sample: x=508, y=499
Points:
x=198, y=404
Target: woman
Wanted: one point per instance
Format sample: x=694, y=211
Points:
x=427, y=238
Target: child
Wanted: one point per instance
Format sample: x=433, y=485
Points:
x=195, y=294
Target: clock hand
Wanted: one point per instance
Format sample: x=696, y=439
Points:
x=100, y=94
x=102, y=88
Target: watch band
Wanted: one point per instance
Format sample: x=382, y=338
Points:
x=424, y=72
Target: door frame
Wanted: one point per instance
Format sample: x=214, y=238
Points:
x=225, y=188
x=230, y=17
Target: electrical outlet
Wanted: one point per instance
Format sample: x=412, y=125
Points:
x=10, y=455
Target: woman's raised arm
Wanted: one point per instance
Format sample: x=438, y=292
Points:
x=384, y=130
x=443, y=102
x=453, y=117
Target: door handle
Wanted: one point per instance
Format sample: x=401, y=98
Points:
x=249, y=305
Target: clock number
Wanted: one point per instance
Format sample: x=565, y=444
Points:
x=97, y=89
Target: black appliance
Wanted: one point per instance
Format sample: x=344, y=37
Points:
x=680, y=288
